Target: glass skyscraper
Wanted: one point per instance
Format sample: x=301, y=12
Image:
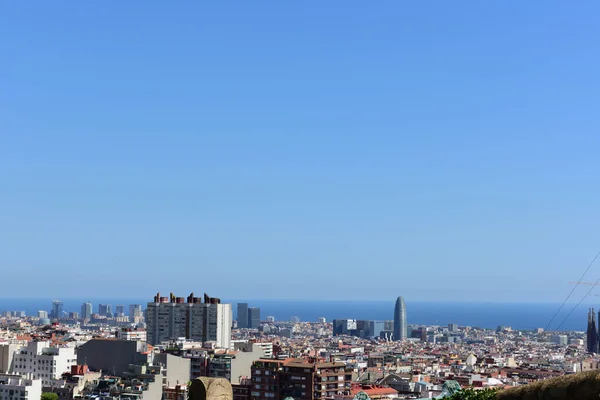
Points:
x=57, y=309
x=242, y=315
x=253, y=317
x=400, y=325
x=86, y=310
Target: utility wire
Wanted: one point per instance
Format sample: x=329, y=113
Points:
x=577, y=305
x=572, y=291
x=580, y=301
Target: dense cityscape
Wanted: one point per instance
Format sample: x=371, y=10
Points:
x=152, y=351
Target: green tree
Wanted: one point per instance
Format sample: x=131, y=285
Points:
x=470, y=394
x=49, y=396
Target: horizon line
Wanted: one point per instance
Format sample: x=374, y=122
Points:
x=312, y=300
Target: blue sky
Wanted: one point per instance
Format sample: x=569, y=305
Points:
x=339, y=149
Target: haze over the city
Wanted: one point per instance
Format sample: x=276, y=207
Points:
x=327, y=150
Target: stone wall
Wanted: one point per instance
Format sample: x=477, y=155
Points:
x=210, y=389
x=584, y=385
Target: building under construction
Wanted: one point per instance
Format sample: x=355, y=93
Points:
x=592, y=332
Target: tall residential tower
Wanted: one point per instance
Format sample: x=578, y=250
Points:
x=400, y=325
x=173, y=317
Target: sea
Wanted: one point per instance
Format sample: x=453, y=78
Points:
x=522, y=316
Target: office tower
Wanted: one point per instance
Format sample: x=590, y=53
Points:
x=344, y=327
x=242, y=315
x=86, y=310
x=172, y=317
x=253, y=317
x=453, y=327
x=419, y=333
x=135, y=311
x=105, y=310
x=389, y=325
x=592, y=332
x=120, y=310
x=42, y=314
x=57, y=309
x=376, y=328
x=400, y=325
x=270, y=319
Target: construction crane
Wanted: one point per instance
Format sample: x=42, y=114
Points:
x=585, y=283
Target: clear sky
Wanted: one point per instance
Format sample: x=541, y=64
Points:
x=439, y=150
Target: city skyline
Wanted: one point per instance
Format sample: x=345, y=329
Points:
x=270, y=200
x=523, y=316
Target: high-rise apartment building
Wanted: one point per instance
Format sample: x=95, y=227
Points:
x=86, y=310
x=400, y=324
x=120, y=310
x=42, y=314
x=57, y=309
x=253, y=317
x=105, y=310
x=172, y=317
x=242, y=315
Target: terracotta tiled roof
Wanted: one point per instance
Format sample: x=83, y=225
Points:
x=377, y=391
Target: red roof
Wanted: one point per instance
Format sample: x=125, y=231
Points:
x=377, y=391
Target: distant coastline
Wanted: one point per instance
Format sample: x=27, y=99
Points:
x=524, y=316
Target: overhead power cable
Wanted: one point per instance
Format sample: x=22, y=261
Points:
x=582, y=299
x=571, y=293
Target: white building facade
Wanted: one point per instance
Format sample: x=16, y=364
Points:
x=205, y=322
x=38, y=360
x=132, y=334
x=14, y=387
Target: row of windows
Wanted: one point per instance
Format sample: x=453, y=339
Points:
x=19, y=367
x=53, y=362
x=266, y=394
x=12, y=391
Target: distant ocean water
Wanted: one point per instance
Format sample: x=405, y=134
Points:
x=484, y=315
